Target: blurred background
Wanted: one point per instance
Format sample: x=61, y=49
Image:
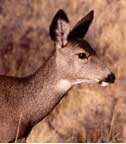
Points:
x=88, y=113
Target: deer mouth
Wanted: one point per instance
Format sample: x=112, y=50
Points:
x=109, y=80
x=103, y=83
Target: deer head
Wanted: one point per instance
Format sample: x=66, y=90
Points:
x=76, y=61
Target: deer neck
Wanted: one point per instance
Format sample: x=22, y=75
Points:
x=51, y=87
x=51, y=75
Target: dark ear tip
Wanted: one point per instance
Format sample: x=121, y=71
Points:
x=60, y=11
x=61, y=14
x=91, y=14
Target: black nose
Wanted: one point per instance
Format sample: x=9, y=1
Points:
x=110, y=78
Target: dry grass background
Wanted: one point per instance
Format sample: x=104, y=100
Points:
x=88, y=113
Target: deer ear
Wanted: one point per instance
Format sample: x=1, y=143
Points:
x=81, y=28
x=60, y=28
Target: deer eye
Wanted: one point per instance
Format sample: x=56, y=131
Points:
x=82, y=56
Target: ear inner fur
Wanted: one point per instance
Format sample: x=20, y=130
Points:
x=59, y=15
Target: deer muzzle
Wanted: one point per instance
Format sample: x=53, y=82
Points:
x=108, y=80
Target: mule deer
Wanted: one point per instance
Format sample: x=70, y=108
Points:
x=31, y=98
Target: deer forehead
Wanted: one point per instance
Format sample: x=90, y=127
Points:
x=71, y=50
x=80, y=46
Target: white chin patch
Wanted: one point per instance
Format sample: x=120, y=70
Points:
x=104, y=84
x=63, y=85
